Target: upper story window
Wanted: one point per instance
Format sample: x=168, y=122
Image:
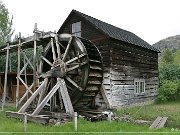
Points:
x=139, y=85
x=76, y=29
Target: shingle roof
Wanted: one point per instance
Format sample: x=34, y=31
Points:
x=117, y=33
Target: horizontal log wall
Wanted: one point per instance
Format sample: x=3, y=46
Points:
x=129, y=62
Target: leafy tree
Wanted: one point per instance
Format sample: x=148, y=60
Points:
x=5, y=24
x=169, y=71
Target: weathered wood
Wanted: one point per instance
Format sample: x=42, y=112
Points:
x=159, y=122
x=33, y=96
x=5, y=78
x=26, y=93
x=57, y=47
x=53, y=50
x=34, y=57
x=66, y=98
x=37, y=119
x=105, y=97
x=46, y=99
x=18, y=70
x=67, y=49
x=25, y=72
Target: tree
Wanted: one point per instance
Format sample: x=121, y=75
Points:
x=167, y=57
x=5, y=24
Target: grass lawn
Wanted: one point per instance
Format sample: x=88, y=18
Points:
x=103, y=127
x=150, y=112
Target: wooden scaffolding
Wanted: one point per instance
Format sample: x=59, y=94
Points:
x=38, y=39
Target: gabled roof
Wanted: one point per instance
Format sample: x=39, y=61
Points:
x=114, y=32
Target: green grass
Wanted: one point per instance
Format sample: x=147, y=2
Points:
x=150, y=112
x=15, y=125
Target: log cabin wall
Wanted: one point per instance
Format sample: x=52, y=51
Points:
x=128, y=63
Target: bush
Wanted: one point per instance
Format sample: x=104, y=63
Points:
x=169, y=91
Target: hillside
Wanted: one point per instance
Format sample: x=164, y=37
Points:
x=173, y=43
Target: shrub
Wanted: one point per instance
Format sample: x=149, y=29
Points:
x=169, y=91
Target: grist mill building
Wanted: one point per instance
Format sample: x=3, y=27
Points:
x=130, y=64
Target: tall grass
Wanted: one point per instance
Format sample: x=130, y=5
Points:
x=9, y=125
x=151, y=112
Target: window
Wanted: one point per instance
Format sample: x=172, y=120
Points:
x=139, y=86
x=76, y=29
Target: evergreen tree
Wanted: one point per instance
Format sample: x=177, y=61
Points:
x=167, y=57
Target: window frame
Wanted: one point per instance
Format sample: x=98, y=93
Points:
x=139, y=86
x=75, y=26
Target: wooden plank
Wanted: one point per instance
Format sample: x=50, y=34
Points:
x=105, y=97
x=66, y=97
x=156, y=122
x=37, y=119
x=159, y=122
x=162, y=123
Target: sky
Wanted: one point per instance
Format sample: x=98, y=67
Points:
x=152, y=20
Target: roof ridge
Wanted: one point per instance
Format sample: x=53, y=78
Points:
x=100, y=20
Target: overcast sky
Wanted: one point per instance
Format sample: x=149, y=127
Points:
x=152, y=20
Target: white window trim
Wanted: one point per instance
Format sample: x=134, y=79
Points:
x=76, y=33
x=138, y=81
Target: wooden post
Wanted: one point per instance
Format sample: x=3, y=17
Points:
x=75, y=121
x=34, y=56
x=10, y=69
x=25, y=73
x=25, y=121
x=18, y=70
x=5, y=78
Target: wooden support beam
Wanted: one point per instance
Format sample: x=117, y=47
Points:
x=25, y=84
x=66, y=98
x=34, y=56
x=10, y=69
x=46, y=99
x=42, y=94
x=26, y=93
x=47, y=61
x=33, y=96
x=25, y=73
x=18, y=70
x=105, y=97
x=5, y=78
x=37, y=119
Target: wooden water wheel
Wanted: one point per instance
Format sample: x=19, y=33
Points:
x=72, y=72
